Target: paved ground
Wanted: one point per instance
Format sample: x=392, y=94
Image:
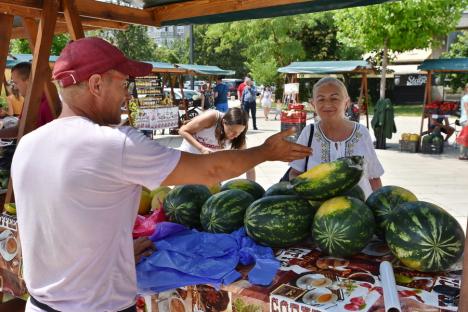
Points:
x=440, y=179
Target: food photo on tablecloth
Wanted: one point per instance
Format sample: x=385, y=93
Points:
x=315, y=244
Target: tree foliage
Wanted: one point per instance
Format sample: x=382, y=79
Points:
x=458, y=49
x=134, y=42
x=21, y=46
x=400, y=25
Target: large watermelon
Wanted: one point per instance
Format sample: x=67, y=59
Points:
x=328, y=180
x=252, y=187
x=424, y=237
x=343, y=226
x=224, y=212
x=383, y=201
x=183, y=204
x=281, y=188
x=356, y=192
x=279, y=220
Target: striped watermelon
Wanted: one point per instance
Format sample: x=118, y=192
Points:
x=252, y=187
x=356, y=192
x=279, y=220
x=281, y=188
x=383, y=201
x=328, y=180
x=183, y=204
x=343, y=226
x=224, y=212
x=424, y=237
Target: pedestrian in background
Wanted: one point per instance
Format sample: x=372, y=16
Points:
x=220, y=94
x=265, y=100
x=249, y=101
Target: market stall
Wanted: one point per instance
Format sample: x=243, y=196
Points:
x=438, y=108
x=298, y=70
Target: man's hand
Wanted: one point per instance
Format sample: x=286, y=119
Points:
x=277, y=147
x=142, y=247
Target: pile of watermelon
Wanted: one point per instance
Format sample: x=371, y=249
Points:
x=325, y=204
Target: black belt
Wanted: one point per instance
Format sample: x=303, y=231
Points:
x=46, y=308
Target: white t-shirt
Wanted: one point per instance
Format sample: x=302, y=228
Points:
x=77, y=189
x=207, y=138
x=324, y=150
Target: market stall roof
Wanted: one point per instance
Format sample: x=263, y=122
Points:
x=445, y=65
x=170, y=12
x=162, y=67
x=326, y=67
x=206, y=70
x=14, y=59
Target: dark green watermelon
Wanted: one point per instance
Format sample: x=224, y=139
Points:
x=424, y=237
x=281, y=188
x=251, y=187
x=383, y=201
x=356, y=192
x=183, y=204
x=427, y=139
x=343, y=226
x=224, y=212
x=328, y=180
x=279, y=220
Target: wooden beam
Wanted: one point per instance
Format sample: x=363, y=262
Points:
x=75, y=28
x=182, y=10
x=86, y=8
x=60, y=28
x=6, y=26
x=49, y=88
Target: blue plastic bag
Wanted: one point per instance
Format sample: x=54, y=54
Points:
x=187, y=257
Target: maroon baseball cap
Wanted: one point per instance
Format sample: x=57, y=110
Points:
x=88, y=56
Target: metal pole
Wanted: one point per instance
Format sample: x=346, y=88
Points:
x=191, y=54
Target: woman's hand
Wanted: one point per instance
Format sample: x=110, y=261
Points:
x=206, y=150
x=142, y=247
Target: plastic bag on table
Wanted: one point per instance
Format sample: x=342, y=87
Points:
x=146, y=225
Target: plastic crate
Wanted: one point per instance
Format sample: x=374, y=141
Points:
x=409, y=146
x=432, y=148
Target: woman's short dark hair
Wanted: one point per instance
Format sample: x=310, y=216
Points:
x=234, y=116
x=23, y=69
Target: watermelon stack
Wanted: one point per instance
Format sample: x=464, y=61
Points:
x=251, y=187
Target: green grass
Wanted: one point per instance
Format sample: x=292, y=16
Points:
x=408, y=110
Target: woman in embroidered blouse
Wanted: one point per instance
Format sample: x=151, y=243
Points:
x=214, y=131
x=335, y=136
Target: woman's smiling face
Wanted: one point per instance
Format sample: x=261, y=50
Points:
x=330, y=101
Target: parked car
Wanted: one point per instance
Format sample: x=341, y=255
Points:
x=232, y=84
x=191, y=95
x=196, y=84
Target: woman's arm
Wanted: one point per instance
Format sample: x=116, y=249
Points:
x=197, y=124
x=251, y=175
x=10, y=106
x=375, y=183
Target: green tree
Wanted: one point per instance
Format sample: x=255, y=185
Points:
x=458, y=49
x=21, y=46
x=398, y=26
x=134, y=42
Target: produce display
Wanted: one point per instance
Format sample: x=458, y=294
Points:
x=412, y=137
x=327, y=180
x=183, y=204
x=279, y=221
x=325, y=206
x=424, y=237
x=224, y=212
x=255, y=189
x=383, y=201
x=343, y=226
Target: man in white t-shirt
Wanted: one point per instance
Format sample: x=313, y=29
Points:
x=77, y=182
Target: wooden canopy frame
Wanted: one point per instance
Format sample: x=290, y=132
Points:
x=42, y=18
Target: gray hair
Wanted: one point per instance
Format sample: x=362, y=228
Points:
x=330, y=80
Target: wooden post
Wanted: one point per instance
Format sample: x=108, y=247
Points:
x=40, y=65
x=49, y=88
x=72, y=18
x=366, y=92
x=6, y=28
x=463, y=302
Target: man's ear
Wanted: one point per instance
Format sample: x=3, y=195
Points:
x=95, y=85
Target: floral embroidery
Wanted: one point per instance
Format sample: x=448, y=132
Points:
x=324, y=145
x=352, y=141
